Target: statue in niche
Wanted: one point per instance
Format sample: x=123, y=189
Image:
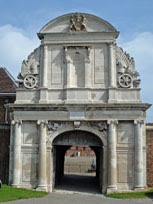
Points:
x=78, y=23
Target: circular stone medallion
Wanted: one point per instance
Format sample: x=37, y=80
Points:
x=30, y=81
x=125, y=81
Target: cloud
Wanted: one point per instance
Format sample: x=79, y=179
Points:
x=14, y=47
x=141, y=48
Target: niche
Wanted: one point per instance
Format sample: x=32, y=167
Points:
x=77, y=72
x=77, y=58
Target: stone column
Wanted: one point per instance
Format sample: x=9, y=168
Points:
x=112, y=157
x=45, y=66
x=112, y=66
x=104, y=170
x=17, y=153
x=139, y=154
x=52, y=169
x=42, y=185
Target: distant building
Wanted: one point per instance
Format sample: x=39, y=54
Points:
x=7, y=95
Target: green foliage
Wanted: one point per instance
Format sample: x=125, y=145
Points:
x=132, y=195
x=8, y=193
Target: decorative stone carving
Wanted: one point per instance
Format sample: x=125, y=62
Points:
x=77, y=124
x=52, y=126
x=78, y=23
x=30, y=81
x=113, y=121
x=101, y=126
x=138, y=122
x=125, y=80
x=28, y=77
x=39, y=122
x=127, y=75
x=13, y=122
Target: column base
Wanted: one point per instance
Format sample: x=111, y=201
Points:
x=42, y=188
x=16, y=185
x=111, y=189
x=138, y=188
x=43, y=101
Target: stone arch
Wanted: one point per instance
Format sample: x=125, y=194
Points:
x=94, y=131
x=77, y=137
x=99, y=146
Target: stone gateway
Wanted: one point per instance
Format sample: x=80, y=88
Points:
x=78, y=88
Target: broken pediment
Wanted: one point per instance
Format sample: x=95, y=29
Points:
x=77, y=22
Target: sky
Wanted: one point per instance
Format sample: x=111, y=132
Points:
x=21, y=20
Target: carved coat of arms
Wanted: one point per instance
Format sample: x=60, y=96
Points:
x=78, y=23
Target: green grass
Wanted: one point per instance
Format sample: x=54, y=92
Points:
x=132, y=195
x=8, y=193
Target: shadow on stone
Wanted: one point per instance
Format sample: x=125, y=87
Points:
x=149, y=195
x=79, y=183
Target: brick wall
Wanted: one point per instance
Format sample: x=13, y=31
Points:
x=80, y=151
x=150, y=158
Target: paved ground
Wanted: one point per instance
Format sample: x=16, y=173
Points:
x=65, y=198
x=78, y=189
x=79, y=183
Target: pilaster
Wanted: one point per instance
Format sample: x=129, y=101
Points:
x=45, y=66
x=112, y=66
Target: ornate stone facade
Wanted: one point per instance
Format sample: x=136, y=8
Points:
x=78, y=88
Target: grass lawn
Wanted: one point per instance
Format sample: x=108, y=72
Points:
x=142, y=194
x=8, y=193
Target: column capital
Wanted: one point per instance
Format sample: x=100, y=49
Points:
x=44, y=122
x=45, y=46
x=112, y=121
x=19, y=122
x=87, y=61
x=112, y=44
x=139, y=121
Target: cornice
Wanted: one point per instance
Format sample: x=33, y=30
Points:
x=85, y=107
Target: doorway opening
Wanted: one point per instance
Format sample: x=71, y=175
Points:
x=78, y=159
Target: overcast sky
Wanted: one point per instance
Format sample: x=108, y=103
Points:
x=21, y=20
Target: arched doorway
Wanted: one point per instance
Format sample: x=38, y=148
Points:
x=79, y=138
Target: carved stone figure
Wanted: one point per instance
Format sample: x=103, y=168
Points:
x=27, y=78
x=52, y=126
x=78, y=23
x=127, y=75
x=100, y=126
